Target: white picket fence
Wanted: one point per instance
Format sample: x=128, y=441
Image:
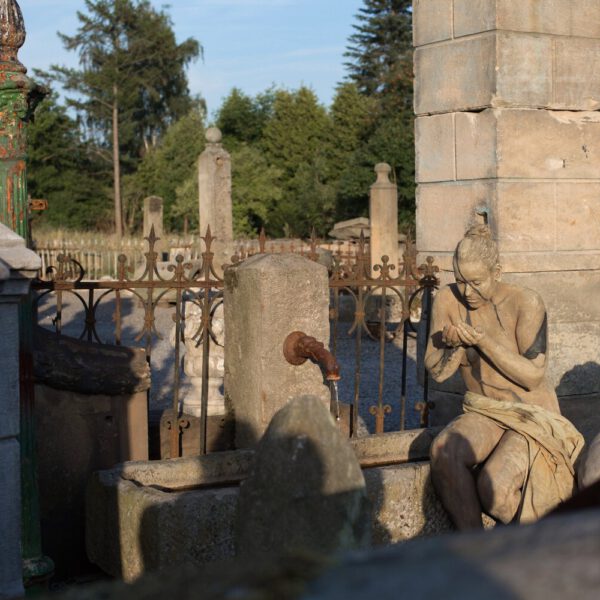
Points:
x=98, y=255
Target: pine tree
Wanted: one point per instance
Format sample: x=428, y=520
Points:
x=380, y=51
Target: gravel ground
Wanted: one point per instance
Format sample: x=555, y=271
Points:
x=162, y=357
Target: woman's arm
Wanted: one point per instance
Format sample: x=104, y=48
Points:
x=526, y=367
x=444, y=352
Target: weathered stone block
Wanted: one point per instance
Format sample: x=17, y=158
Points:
x=547, y=144
x=523, y=216
x=476, y=145
x=473, y=16
x=432, y=21
x=576, y=81
x=459, y=75
x=404, y=503
x=132, y=529
x=435, y=150
x=559, y=17
x=507, y=69
x=524, y=70
x=444, y=212
x=267, y=297
x=306, y=491
x=569, y=297
x=578, y=216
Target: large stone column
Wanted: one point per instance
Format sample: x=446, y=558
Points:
x=17, y=267
x=267, y=297
x=507, y=130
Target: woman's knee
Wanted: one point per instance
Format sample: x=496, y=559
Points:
x=499, y=496
x=450, y=448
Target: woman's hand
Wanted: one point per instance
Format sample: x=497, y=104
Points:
x=469, y=336
x=450, y=336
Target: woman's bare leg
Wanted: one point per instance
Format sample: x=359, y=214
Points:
x=465, y=442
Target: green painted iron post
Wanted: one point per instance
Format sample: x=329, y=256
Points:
x=19, y=96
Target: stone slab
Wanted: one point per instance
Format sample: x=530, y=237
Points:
x=394, y=447
x=507, y=69
x=540, y=225
x=558, y=17
x=444, y=212
x=432, y=21
x=213, y=469
x=455, y=76
x=435, y=141
x=505, y=143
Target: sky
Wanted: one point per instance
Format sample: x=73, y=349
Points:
x=248, y=44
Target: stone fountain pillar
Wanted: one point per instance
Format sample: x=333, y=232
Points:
x=508, y=130
x=267, y=297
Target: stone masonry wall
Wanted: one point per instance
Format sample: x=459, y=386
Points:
x=507, y=96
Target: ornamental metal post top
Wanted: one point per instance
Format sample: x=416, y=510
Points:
x=12, y=35
x=19, y=96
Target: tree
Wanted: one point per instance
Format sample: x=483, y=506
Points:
x=255, y=190
x=62, y=170
x=296, y=141
x=380, y=51
x=242, y=119
x=131, y=83
x=169, y=170
x=391, y=141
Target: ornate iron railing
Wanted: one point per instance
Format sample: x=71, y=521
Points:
x=351, y=279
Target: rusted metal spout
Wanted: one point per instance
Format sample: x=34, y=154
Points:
x=298, y=347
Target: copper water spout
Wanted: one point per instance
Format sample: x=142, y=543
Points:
x=298, y=347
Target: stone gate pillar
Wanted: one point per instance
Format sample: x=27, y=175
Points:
x=507, y=97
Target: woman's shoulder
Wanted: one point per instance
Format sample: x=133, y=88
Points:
x=523, y=297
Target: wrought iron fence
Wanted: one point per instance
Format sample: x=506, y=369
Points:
x=352, y=281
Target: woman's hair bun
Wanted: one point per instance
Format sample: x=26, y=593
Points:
x=479, y=231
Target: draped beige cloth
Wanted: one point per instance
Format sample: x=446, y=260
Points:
x=554, y=445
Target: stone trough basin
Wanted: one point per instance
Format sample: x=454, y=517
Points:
x=149, y=515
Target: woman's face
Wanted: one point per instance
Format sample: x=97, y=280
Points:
x=475, y=281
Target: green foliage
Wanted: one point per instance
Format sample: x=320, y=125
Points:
x=380, y=50
x=391, y=141
x=242, y=119
x=169, y=171
x=62, y=170
x=380, y=53
x=256, y=192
